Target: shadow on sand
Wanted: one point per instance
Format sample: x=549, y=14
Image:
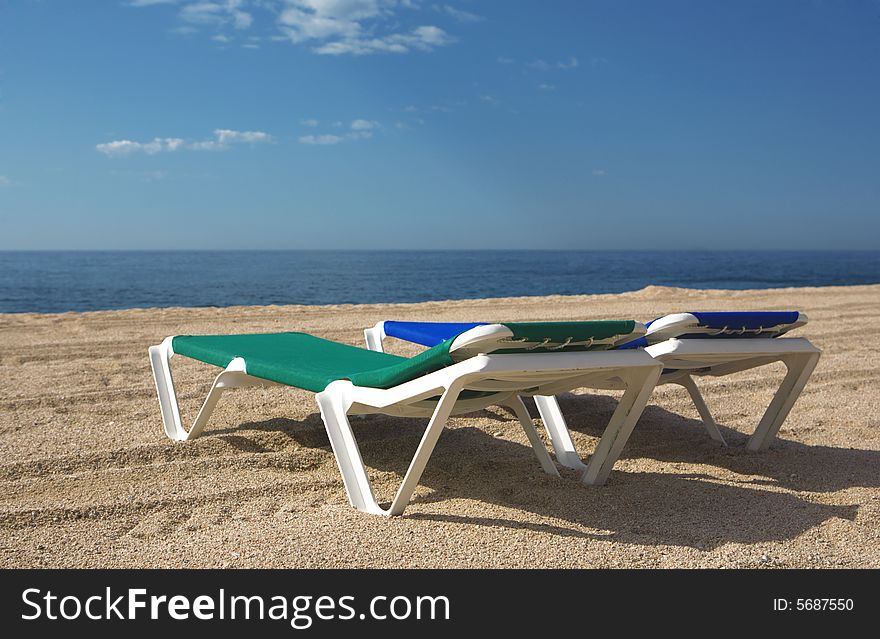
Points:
x=670, y=437
x=685, y=509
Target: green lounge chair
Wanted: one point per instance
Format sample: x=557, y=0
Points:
x=493, y=364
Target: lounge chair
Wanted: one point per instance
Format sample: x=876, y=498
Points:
x=688, y=345
x=492, y=364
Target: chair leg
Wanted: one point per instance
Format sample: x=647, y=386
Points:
x=800, y=367
x=334, y=407
x=557, y=429
x=206, y=410
x=708, y=421
x=423, y=452
x=233, y=376
x=639, y=386
x=160, y=362
x=525, y=420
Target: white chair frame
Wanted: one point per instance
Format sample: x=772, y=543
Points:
x=682, y=360
x=507, y=377
x=685, y=359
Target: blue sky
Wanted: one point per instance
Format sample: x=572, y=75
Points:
x=461, y=124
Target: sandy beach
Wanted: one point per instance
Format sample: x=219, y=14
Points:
x=88, y=479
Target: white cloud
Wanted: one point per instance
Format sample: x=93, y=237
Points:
x=223, y=138
x=149, y=3
x=312, y=122
x=217, y=14
x=505, y=60
x=118, y=148
x=340, y=27
x=543, y=65
x=205, y=145
x=459, y=14
x=423, y=38
x=5, y=181
x=449, y=107
x=600, y=172
x=228, y=136
x=359, y=129
x=363, y=125
x=184, y=30
x=304, y=20
x=142, y=176
x=329, y=27
x=321, y=139
x=546, y=87
x=242, y=20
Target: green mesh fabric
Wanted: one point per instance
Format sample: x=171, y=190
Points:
x=305, y=361
x=309, y=362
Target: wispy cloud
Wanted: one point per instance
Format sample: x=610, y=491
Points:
x=149, y=3
x=142, y=176
x=543, y=65
x=465, y=17
x=600, y=172
x=217, y=14
x=324, y=139
x=358, y=129
x=222, y=140
x=546, y=87
x=230, y=136
x=328, y=27
x=423, y=38
x=206, y=13
x=118, y=148
x=184, y=30
x=5, y=182
x=363, y=125
x=435, y=108
x=310, y=122
x=504, y=60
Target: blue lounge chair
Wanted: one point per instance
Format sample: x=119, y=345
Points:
x=688, y=345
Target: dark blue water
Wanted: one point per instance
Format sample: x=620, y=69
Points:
x=87, y=281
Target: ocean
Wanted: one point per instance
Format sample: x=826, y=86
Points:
x=59, y=281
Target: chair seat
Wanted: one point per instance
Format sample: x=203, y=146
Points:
x=308, y=362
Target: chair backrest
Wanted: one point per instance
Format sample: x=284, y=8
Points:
x=723, y=325
x=426, y=333
x=543, y=337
